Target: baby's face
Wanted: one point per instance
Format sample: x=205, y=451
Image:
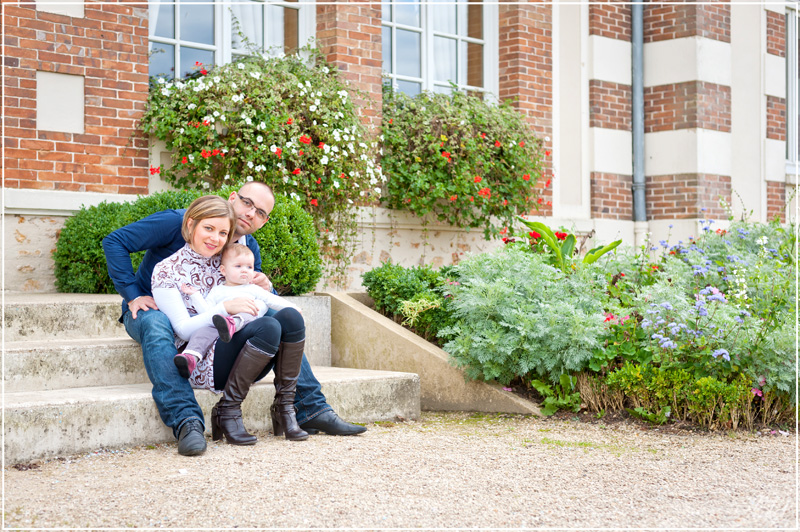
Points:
x=238, y=270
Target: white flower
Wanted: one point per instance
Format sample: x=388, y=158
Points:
x=325, y=70
x=241, y=66
x=334, y=149
x=342, y=94
x=227, y=177
x=181, y=130
x=336, y=183
x=300, y=86
x=216, y=113
x=262, y=125
x=205, y=184
x=286, y=180
x=165, y=92
x=249, y=178
x=316, y=102
x=314, y=122
x=191, y=106
x=161, y=81
x=308, y=83
x=249, y=164
x=191, y=157
x=259, y=139
x=248, y=121
x=349, y=200
x=377, y=190
x=324, y=160
x=273, y=148
x=294, y=196
x=216, y=79
x=326, y=148
x=234, y=86
x=312, y=108
x=222, y=118
x=255, y=75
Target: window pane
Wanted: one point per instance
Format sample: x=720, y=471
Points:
x=162, y=19
x=197, y=22
x=407, y=12
x=386, y=11
x=444, y=59
x=190, y=56
x=291, y=31
x=386, y=45
x=441, y=89
x=247, y=20
x=444, y=16
x=474, y=19
x=162, y=60
x=409, y=87
x=408, y=58
x=472, y=63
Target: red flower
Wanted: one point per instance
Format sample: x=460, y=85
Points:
x=453, y=197
x=547, y=184
x=522, y=144
x=319, y=180
x=497, y=144
x=539, y=201
x=446, y=154
x=185, y=160
x=203, y=71
x=505, y=202
x=526, y=177
x=534, y=235
x=485, y=192
x=342, y=176
x=278, y=152
x=621, y=274
x=155, y=170
x=547, y=152
x=654, y=267
x=215, y=151
x=205, y=154
x=390, y=120
x=478, y=179
x=321, y=145
x=609, y=317
x=314, y=203
x=560, y=235
x=205, y=122
x=296, y=171
x=472, y=198
x=198, y=63
x=483, y=135
x=300, y=152
x=504, y=230
x=549, y=203
x=305, y=140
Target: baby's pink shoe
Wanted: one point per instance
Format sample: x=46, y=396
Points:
x=185, y=364
x=225, y=325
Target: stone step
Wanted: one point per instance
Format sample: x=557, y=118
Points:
x=64, y=317
x=69, y=421
x=59, y=364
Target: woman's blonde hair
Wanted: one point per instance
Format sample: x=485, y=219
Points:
x=207, y=207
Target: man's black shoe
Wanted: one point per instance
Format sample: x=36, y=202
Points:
x=191, y=440
x=329, y=423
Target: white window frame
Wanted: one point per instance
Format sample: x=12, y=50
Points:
x=223, y=28
x=792, y=88
x=491, y=54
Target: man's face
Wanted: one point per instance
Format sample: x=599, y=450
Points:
x=252, y=205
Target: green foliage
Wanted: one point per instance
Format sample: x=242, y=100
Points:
x=468, y=163
x=559, y=396
x=413, y=294
x=517, y=316
x=289, y=250
x=288, y=122
x=559, y=247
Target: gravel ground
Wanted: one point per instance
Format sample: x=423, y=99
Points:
x=447, y=470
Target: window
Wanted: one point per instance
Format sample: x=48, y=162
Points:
x=428, y=45
x=792, y=88
x=185, y=32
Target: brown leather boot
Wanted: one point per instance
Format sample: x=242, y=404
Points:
x=287, y=369
x=226, y=416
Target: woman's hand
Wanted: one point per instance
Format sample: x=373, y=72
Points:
x=241, y=304
x=188, y=289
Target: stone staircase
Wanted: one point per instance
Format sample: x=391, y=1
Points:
x=74, y=381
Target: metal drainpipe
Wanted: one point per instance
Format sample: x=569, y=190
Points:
x=640, y=225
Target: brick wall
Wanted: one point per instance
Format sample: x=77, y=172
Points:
x=776, y=118
x=525, y=72
x=776, y=200
x=610, y=105
x=612, y=198
x=776, y=34
x=692, y=104
x=349, y=34
x=610, y=19
x=108, y=47
x=682, y=196
x=673, y=20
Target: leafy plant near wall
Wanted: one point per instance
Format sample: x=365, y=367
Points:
x=289, y=248
x=468, y=163
x=288, y=122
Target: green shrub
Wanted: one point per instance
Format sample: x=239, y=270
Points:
x=289, y=249
x=469, y=163
x=516, y=316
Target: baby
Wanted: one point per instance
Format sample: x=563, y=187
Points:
x=237, y=268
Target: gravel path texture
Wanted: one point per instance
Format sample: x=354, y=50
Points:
x=446, y=470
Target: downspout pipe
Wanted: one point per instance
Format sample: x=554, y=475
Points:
x=637, y=123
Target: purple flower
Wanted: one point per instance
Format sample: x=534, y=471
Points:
x=666, y=305
x=717, y=297
x=723, y=353
x=702, y=311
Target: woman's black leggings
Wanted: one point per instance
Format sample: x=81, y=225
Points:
x=265, y=333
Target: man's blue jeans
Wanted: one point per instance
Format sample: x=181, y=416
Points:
x=174, y=396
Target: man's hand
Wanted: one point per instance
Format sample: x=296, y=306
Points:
x=259, y=279
x=144, y=303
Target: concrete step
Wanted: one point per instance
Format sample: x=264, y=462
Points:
x=64, y=317
x=58, y=364
x=70, y=421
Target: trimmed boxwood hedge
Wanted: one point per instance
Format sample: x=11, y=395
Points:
x=289, y=248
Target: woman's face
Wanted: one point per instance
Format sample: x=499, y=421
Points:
x=210, y=235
